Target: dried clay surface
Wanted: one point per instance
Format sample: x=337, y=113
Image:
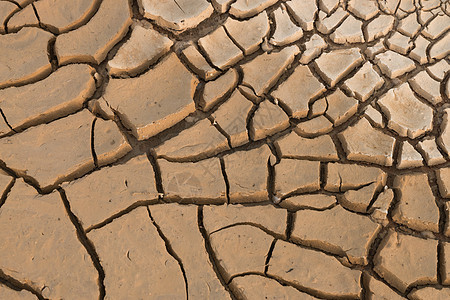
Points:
x=225, y=149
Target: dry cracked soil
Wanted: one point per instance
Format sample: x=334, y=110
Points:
x=224, y=149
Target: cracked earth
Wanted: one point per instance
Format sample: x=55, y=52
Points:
x=224, y=149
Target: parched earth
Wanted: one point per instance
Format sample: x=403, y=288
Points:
x=220, y=149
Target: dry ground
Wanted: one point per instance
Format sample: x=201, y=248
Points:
x=224, y=149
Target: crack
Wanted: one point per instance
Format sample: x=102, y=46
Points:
x=6, y=121
x=364, y=282
x=87, y=244
x=5, y=193
x=310, y=291
x=221, y=152
x=249, y=125
x=15, y=2
x=225, y=178
x=363, y=292
x=323, y=174
x=251, y=96
x=440, y=203
x=94, y=155
x=271, y=175
x=380, y=189
x=441, y=266
x=311, y=208
x=373, y=250
x=221, y=130
x=339, y=145
x=256, y=225
x=16, y=285
x=211, y=255
x=419, y=284
x=275, y=148
x=170, y=251
x=315, y=293
x=83, y=20
x=51, y=53
x=144, y=68
x=288, y=71
x=205, y=55
x=442, y=88
x=155, y=201
x=152, y=157
x=199, y=90
x=396, y=153
x=121, y=213
x=36, y=12
x=11, y=14
x=179, y=6
x=268, y=257
x=233, y=40
x=290, y=221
